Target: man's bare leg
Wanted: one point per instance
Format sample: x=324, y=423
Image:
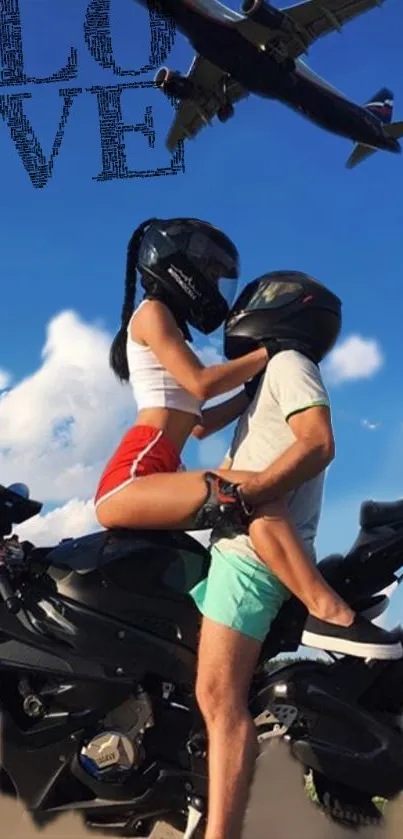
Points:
x=278, y=544
x=227, y=660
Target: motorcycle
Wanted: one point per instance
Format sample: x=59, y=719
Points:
x=98, y=642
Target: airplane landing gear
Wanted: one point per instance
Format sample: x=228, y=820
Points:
x=225, y=112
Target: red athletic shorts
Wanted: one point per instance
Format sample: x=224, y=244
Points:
x=143, y=451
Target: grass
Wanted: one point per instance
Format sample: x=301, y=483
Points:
x=310, y=790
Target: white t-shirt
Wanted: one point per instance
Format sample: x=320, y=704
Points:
x=291, y=383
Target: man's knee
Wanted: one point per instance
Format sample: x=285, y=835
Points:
x=271, y=511
x=212, y=695
x=218, y=699
x=267, y=528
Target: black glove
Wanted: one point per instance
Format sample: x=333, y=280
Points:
x=224, y=503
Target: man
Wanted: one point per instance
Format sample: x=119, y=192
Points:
x=280, y=436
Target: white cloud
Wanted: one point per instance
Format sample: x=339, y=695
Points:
x=354, y=358
x=74, y=519
x=60, y=424
x=370, y=426
x=5, y=379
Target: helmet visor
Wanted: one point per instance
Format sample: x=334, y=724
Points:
x=208, y=256
x=218, y=265
x=269, y=294
x=228, y=289
x=213, y=260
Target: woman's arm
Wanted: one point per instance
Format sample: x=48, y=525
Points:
x=156, y=327
x=218, y=417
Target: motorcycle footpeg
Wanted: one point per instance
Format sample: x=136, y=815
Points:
x=139, y=828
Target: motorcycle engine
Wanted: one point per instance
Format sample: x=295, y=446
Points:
x=116, y=750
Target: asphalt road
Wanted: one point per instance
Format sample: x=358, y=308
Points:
x=278, y=809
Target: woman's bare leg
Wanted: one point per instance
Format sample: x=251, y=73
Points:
x=162, y=501
x=280, y=547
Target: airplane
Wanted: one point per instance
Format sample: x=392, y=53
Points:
x=259, y=51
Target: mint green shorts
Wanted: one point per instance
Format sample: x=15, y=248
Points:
x=240, y=593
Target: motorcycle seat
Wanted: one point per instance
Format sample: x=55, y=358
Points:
x=378, y=513
x=89, y=553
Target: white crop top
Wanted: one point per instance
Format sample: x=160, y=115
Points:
x=152, y=385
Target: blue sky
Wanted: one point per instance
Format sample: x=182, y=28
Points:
x=274, y=182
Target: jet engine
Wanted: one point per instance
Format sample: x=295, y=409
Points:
x=174, y=84
x=267, y=15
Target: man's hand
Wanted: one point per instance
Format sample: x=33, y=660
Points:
x=311, y=453
x=222, y=505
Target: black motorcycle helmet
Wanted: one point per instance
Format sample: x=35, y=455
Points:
x=284, y=310
x=193, y=267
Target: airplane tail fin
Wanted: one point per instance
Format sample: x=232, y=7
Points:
x=381, y=106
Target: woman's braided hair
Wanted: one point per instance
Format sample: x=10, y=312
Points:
x=118, y=354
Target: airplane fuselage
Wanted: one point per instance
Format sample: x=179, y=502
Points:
x=293, y=83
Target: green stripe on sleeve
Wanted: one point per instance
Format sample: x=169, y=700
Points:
x=321, y=404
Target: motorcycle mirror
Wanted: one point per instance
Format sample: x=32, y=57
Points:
x=19, y=489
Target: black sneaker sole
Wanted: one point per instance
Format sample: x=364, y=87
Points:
x=381, y=652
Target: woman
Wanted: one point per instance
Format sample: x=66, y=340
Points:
x=189, y=271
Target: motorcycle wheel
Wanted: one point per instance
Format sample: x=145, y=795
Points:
x=343, y=806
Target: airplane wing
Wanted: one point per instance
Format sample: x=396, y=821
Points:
x=315, y=18
x=311, y=20
x=193, y=114
x=358, y=155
